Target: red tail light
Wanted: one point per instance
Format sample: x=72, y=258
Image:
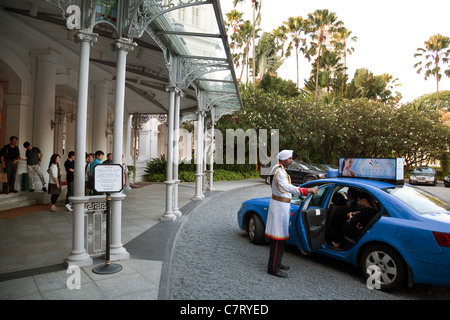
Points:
x=443, y=239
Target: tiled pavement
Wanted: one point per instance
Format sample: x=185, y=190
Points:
x=33, y=248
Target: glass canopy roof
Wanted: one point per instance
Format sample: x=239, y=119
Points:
x=194, y=31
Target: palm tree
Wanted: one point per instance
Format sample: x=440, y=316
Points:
x=294, y=27
x=280, y=38
x=339, y=41
x=243, y=36
x=436, y=51
x=321, y=24
x=331, y=75
x=234, y=18
x=256, y=6
x=266, y=56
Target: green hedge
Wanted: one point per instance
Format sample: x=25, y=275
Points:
x=156, y=171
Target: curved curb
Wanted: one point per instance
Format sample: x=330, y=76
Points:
x=164, y=284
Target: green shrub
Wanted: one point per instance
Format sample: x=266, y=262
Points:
x=186, y=176
x=156, y=170
x=157, y=177
x=156, y=166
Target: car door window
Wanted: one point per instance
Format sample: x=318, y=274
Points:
x=319, y=199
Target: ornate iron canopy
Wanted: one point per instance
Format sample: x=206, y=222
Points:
x=190, y=34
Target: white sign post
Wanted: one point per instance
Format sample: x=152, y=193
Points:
x=108, y=178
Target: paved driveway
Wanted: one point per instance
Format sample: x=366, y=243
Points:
x=213, y=259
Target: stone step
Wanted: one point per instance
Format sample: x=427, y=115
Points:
x=25, y=198
x=15, y=200
x=12, y=205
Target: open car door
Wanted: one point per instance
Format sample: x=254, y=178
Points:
x=310, y=221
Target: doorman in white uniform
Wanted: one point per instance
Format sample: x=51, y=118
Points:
x=277, y=226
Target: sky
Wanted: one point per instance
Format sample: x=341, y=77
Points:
x=388, y=32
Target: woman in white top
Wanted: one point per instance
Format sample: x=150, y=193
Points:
x=54, y=180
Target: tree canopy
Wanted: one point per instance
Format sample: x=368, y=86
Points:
x=362, y=128
x=435, y=54
x=335, y=114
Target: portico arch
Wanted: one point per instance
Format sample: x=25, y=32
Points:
x=15, y=96
x=156, y=64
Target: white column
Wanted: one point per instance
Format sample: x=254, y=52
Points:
x=70, y=133
x=211, y=150
x=127, y=153
x=78, y=256
x=168, y=214
x=154, y=142
x=100, y=117
x=117, y=251
x=18, y=121
x=44, y=105
x=176, y=153
x=199, y=158
x=144, y=144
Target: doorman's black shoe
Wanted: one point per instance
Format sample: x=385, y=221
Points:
x=279, y=274
x=283, y=267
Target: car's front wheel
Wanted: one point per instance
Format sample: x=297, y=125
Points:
x=308, y=179
x=383, y=268
x=256, y=230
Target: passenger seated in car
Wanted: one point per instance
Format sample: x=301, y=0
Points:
x=337, y=216
x=358, y=220
x=352, y=199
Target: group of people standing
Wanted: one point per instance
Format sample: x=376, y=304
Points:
x=10, y=156
x=94, y=159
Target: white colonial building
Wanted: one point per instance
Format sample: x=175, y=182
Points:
x=118, y=76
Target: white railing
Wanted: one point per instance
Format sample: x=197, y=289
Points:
x=95, y=225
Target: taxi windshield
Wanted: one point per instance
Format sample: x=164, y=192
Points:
x=419, y=200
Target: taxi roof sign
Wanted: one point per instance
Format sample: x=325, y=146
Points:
x=389, y=169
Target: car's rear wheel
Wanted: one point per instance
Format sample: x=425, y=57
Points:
x=383, y=268
x=256, y=230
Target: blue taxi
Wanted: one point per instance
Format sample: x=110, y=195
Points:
x=406, y=242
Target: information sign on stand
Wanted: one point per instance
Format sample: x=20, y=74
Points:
x=108, y=178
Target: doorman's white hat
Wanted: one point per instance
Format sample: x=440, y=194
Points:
x=285, y=154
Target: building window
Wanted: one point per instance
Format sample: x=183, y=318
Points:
x=182, y=14
x=195, y=16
